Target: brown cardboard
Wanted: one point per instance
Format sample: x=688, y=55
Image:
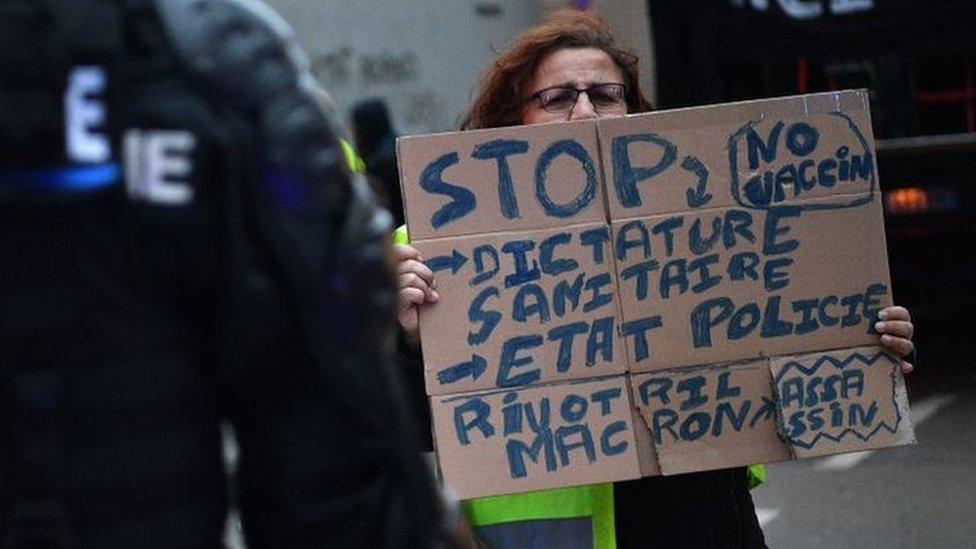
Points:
x=841, y=401
x=553, y=164
x=646, y=451
x=839, y=253
x=745, y=209
x=562, y=298
x=712, y=417
x=771, y=210
x=582, y=432
x=684, y=159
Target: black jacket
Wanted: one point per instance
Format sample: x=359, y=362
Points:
x=709, y=509
x=246, y=286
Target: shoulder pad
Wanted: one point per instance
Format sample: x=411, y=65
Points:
x=241, y=48
x=245, y=55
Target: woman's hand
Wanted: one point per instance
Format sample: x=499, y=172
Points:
x=896, y=329
x=415, y=287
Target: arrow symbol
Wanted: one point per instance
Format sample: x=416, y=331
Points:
x=454, y=262
x=473, y=369
x=766, y=411
x=699, y=196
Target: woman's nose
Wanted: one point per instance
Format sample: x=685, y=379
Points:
x=583, y=109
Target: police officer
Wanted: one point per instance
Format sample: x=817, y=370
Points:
x=183, y=248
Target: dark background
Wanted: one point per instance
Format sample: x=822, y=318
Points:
x=917, y=58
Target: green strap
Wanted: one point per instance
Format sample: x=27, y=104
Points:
x=355, y=163
x=594, y=501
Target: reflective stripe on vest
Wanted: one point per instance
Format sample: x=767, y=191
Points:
x=594, y=502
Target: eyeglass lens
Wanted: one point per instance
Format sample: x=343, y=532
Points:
x=601, y=96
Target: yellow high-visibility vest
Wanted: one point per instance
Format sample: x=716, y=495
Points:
x=594, y=502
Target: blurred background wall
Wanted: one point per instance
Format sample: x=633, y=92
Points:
x=423, y=57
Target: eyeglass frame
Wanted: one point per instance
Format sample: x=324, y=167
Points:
x=537, y=95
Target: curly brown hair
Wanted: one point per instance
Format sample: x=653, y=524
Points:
x=500, y=95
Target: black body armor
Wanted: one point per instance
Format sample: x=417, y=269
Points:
x=183, y=249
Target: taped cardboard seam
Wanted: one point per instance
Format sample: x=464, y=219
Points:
x=603, y=176
x=647, y=428
x=779, y=412
x=567, y=227
x=708, y=366
x=706, y=210
x=451, y=397
x=861, y=93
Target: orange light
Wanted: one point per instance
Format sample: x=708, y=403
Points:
x=910, y=200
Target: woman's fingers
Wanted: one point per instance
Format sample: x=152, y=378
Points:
x=416, y=267
x=411, y=296
x=402, y=252
x=898, y=345
x=895, y=313
x=897, y=328
x=412, y=273
x=408, y=313
x=415, y=281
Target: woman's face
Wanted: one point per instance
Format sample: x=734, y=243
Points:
x=574, y=68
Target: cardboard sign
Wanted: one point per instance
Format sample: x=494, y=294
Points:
x=511, y=179
x=530, y=439
x=754, y=154
x=841, y=401
x=712, y=417
x=731, y=283
x=746, y=229
x=707, y=259
x=519, y=308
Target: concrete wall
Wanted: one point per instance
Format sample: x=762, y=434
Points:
x=632, y=26
x=422, y=56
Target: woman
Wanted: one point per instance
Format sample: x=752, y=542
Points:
x=569, y=68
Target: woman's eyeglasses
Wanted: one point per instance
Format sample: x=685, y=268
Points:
x=609, y=98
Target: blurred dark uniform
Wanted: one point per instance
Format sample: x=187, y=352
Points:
x=376, y=142
x=182, y=246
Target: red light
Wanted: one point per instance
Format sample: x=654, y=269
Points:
x=910, y=200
